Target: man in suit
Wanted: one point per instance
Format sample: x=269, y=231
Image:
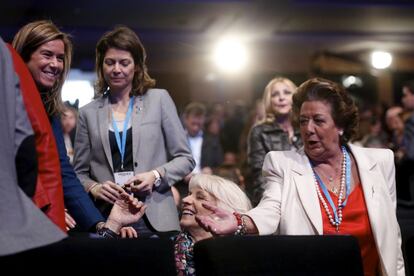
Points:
x=206, y=148
x=405, y=166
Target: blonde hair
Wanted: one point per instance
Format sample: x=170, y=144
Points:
x=28, y=39
x=229, y=196
x=267, y=96
x=123, y=38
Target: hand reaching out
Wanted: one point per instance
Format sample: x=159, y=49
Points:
x=220, y=222
x=125, y=211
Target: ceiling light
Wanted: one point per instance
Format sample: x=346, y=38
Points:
x=348, y=81
x=230, y=55
x=381, y=60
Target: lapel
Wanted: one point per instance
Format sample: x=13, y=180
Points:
x=138, y=113
x=103, y=123
x=369, y=177
x=305, y=184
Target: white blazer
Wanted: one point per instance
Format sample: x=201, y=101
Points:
x=290, y=204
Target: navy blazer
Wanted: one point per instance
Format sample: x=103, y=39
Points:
x=77, y=201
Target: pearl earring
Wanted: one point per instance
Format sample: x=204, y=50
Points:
x=341, y=132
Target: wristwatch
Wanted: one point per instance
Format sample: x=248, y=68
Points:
x=157, y=181
x=107, y=233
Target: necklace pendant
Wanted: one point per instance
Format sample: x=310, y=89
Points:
x=337, y=228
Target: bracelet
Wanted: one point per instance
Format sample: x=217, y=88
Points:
x=92, y=187
x=107, y=233
x=241, y=226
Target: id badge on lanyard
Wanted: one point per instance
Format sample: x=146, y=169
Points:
x=123, y=176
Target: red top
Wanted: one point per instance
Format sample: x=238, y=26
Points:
x=49, y=190
x=355, y=222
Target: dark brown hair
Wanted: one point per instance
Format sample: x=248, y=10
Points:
x=123, y=38
x=343, y=108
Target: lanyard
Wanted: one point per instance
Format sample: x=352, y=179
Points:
x=347, y=181
x=122, y=144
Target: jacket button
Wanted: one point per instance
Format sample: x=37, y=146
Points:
x=135, y=164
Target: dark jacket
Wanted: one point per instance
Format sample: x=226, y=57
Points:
x=211, y=151
x=265, y=137
x=77, y=201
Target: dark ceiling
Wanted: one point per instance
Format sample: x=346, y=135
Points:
x=281, y=34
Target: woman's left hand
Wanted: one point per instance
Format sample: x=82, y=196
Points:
x=142, y=182
x=220, y=222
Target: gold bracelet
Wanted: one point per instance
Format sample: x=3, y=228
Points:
x=92, y=186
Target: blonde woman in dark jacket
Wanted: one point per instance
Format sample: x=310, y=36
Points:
x=275, y=132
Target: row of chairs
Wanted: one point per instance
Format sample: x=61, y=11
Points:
x=248, y=255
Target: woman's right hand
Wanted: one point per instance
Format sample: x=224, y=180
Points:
x=219, y=222
x=107, y=191
x=126, y=210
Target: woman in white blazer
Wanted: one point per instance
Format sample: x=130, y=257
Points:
x=131, y=137
x=328, y=187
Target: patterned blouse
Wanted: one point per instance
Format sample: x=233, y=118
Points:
x=184, y=255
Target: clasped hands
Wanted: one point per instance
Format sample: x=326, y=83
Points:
x=126, y=210
x=110, y=191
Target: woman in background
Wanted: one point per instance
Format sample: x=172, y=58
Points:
x=275, y=132
x=68, y=120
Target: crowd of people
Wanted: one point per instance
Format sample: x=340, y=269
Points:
x=128, y=165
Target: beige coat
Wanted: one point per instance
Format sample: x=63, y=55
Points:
x=290, y=205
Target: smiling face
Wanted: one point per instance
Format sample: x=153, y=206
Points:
x=281, y=98
x=118, y=69
x=320, y=135
x=46, y=64
x=192, y=206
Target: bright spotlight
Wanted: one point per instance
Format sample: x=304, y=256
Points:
x=230, y=55
x=79, y=86
x=381, y=60
x=77, y=89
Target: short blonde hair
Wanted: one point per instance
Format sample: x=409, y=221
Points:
x=229, y=196
x=267, y=96
x=33, y=35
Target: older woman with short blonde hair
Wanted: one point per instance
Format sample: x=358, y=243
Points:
x=204, y=188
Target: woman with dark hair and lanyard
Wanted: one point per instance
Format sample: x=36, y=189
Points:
x=131, y=136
